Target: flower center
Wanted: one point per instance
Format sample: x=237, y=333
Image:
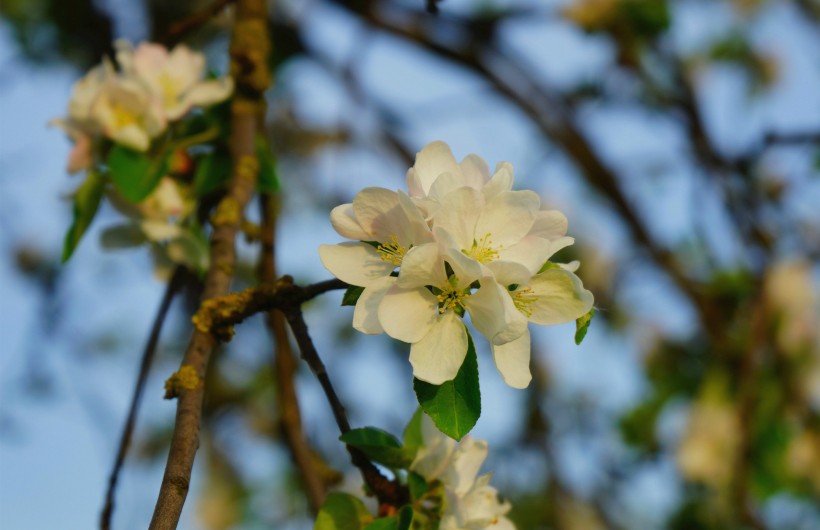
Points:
x=452, y=298
x=122, y=115
x=483, y=249
x=170, y=89
x=392, y=251
x=523, y=299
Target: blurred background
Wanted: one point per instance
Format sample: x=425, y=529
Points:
x=681, y=139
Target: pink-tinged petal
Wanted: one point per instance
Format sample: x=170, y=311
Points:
x=513, y=361
x=408, y=314
x=80, y=157
x=549, y=224
x=434, y=159
x=530, y=252
x=501, y=181
x=345, y=223
x=422, y=266
x=458, y=215
x=444, y=184
x=376, y=210
x=354, y=263
x=475, y=171
x=559, y=297
x=437, y=357
x=366, y=313
x=508, y=217
x=494, y=314
x=509, y=272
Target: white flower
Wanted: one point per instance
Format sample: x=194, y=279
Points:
x=385, y=225
x=127, y=114
x=707, y=451
x=174, y=78
x=425, y=305
x=470, y=502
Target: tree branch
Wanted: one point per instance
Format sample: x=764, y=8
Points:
x=174, y=285
x=180, y=28
x=249, y=50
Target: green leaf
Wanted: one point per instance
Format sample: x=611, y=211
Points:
x=454, y=406
x=406, y=518
x=213, y=170
x=582, y=325
x=127, y=235
x=352, y=295
x=379, y=446
x=413, y=438
x=268, y=181
x=342, y=511
x=385, y=523
x=134, y=174
x=86, y=201
x=547, y=266
x=417, y=485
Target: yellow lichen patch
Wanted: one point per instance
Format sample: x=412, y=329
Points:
x=252, y=231
x=392, y=251
x=221, y=309
x=228, y=212
x=185, y=378
x=247, y=167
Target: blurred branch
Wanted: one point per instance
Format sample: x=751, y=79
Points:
x=180, y=28
x=174, y=285
x=284, y=365
x=249, y=51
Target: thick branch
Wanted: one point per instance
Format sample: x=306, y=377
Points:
x=249, y=51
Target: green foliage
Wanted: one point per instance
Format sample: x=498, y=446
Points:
x=582, y=325
x=135, y=175
x=647, y=18
x=417, y=485
x=379, y=446
x=342, y=511
x=213, y=170
x=86, y=201
x=268, y=181
x=127, y=235
x=352, y=295
x=402, y=521
x=412, y=436
x=454, y=406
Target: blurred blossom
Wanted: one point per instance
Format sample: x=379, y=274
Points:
x=708, y=449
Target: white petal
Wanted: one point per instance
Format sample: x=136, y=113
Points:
x=354, y=263
x=494, y=314
x=345, y=224
x=549, y=224
x=366, y=313
x=467, y=460
x=531, y=252
x=458, y=214
x=501, y=181
x=375, y=210
x=209, y=92
x=513, y=361
x=422, y=266
x=444, y=184
x=558, y=244
x=437, y=357
x=408, y=314
x=160, y=230
x=508, y=217
x=560, y=297
x=413, y=227
x=434, y=159
x=474, y=171
x=509, y=272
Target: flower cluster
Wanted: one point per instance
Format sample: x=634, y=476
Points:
x=135, y=104
x=461, y=242
x=469, y=500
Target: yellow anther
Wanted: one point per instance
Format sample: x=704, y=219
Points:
x=392, y=251
x=523, y=299
x=483, y=249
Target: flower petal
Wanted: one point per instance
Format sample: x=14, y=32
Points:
x=494, y=314
x=209, y=92
x=475, y=171
x=508, y=217
x=375, y=210
x=549, y=224
x=366, y=313
x=458, y=214
x=344, y=222
x=354, y=263
x=408, y=314
x=513, y=361
x=501, y=181
x=444, y=184
x=531, y=252
x=434, y=159
x=422, y=266
x=509, y=272
x=559, y=297
x=437, y=357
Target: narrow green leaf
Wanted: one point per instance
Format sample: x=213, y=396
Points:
x=213, y=170
x=342, y=511
x=406, y=518
x=86, y=201
x=352, y=295
x=379, y=446
x=582, y=325
x=455, y=405
x=413, y=438
x=135, y=174
x=268, y=181
x=417, y=485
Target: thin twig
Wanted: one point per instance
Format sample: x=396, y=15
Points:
x=249, y=68
x=174, y=285
x=180, y=28
x=284, y=365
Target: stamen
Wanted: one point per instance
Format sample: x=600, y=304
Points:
x=392, y=251
x=523, y=299
x=452, y=298
x=483, y=249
